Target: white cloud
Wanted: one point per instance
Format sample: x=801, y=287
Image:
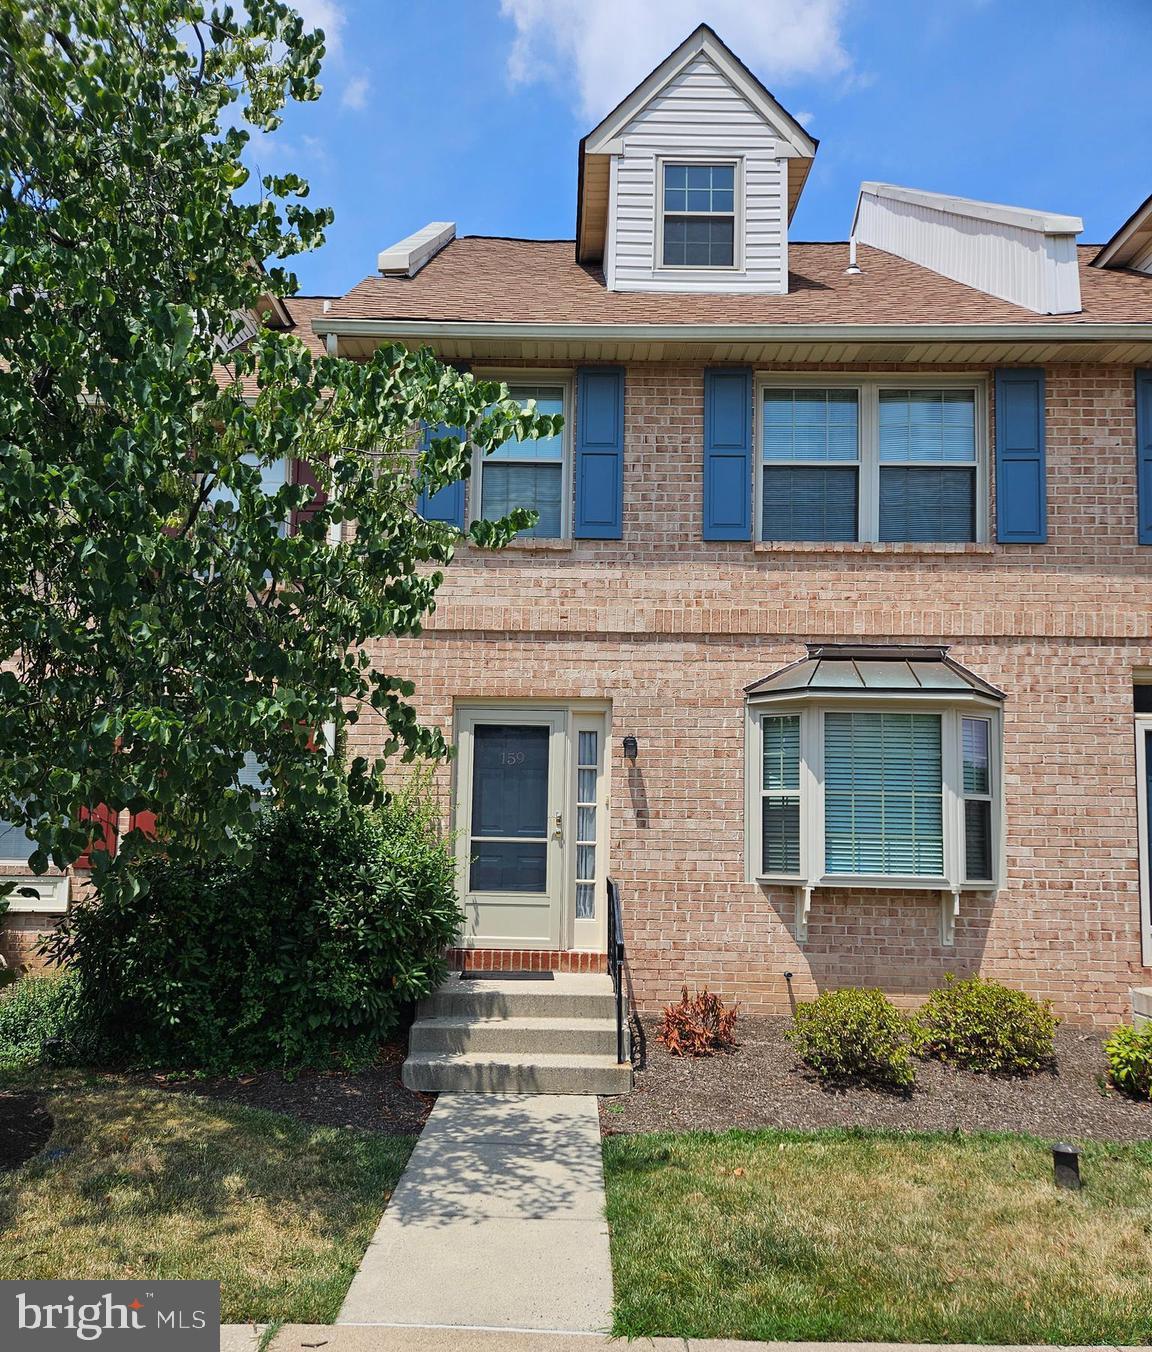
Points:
x=325, y=14
x=606, y=47
x=355, y=95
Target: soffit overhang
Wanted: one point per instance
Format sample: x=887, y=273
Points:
x=846, y=345
x=1131, y=242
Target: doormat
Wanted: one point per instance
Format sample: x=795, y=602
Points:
x=507, y=976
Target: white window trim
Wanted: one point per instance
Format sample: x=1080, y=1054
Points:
x=867, y=464
x=681, y=269
x=1143, y=725
x=52, y=890
x=576, y=935
x=527, y=376
x=812, y=874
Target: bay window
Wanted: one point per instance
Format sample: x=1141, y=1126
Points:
x=871, y=460
x=874, y=766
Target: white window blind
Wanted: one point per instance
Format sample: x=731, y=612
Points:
x=927, y=465
x=780, y=794
x=811, y=458
x=976, y=740
x=883, y=794
x=528, y=473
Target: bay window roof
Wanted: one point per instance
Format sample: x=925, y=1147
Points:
x=873, y=670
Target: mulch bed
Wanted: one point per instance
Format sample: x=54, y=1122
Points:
x=25, y=1125
x=763, y=1085
x=371, y=1100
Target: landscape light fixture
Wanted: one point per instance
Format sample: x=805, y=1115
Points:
x=1066, y=1166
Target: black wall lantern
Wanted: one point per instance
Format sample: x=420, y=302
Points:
x=630, y=747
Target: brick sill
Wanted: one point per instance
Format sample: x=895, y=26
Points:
x=528, y=547
x=870, y=547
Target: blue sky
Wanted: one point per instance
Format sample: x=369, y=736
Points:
x=471, y=110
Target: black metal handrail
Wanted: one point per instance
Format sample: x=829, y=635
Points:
x=616, y=965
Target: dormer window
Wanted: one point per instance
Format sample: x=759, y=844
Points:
x=698, y=223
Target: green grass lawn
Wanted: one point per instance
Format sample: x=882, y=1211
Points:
x=878, y=1237
x=159, y=1184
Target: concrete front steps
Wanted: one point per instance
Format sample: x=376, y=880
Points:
x=494, y=1036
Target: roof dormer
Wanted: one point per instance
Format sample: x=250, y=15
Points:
x=689, y=184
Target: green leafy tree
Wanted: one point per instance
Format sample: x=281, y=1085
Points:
x=157, y=618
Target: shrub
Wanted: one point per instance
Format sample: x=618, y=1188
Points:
x=1129, y=1053
x=855, y=1035
x=984, y=1026
x=304, y=950
x=40, y=1020
x=699, y=1025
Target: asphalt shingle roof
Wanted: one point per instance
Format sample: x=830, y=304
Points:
x=488, y=280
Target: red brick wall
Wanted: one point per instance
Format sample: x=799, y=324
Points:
x=670, y=628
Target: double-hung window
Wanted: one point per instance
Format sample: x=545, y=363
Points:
x=871, y=460
x=811, y=474
x=872, y=766
x=533, y=473
x=698, y=215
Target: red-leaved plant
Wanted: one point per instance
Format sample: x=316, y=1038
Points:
x=699, y=1025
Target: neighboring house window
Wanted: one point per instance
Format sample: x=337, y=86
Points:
x=698, y=219
x=15, y=844
x=873, y=461
x=45, y=893
x=273, y=477
x=533, y=473
x=874, y=767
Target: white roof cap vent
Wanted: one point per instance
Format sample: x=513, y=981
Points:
x=406, y=258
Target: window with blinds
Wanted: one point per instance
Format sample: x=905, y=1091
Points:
x=16, y=846
x=976, y=743
x=927, y=445
x=883, y=794
x=528, y=473
x=869, y=461
x=811, y=454
x=780, y=794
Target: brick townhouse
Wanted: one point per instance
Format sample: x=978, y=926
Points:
x=832, y=645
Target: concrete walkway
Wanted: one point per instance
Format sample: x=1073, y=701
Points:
x=497, y=1222
x=343, y=1338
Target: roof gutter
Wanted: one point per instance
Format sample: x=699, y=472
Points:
x=736, y=333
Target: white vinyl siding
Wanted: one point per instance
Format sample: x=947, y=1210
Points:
x=698, y=117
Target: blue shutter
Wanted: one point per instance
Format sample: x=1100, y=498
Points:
x=1021, y=476
x=447, y=504
x=728, y=455
x=600, y=453
x=1144, y=456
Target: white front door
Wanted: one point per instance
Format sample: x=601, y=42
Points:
x=511, y=817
